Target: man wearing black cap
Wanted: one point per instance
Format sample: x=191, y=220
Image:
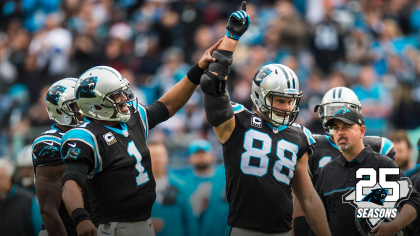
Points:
x=338, y=178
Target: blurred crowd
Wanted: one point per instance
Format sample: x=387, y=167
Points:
x=371, y=46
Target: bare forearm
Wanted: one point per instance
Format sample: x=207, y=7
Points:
x=228, y=44
x=178, y=95
x=315, y=215
x=48, y=191
x=72, y=196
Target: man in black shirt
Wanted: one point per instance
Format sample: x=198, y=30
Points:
x=341, y=175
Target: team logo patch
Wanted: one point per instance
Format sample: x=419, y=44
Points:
x=110, y=138
x=256, y=121
x=73, y=153
x=48, y=151
x=342, y=111
x=86, y=87
x=259, y=77
x=377, y=201
x=53, y=95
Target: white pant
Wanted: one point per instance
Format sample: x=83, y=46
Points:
x=235, y=231
x=143, y=228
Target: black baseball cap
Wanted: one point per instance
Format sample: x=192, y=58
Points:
x=348, y=115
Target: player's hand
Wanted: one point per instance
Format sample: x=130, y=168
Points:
x=238, y=23
x=385, y=229
x=206, y=58
x=86, y=228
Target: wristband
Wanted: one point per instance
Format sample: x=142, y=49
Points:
x=194, y=74
x=79, y=215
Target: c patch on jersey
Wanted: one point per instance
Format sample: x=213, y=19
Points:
x=73, y=153
x=256, y=121
x=110, y=138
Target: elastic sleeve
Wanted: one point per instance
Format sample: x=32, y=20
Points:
x=157, y=112
x=76, y=172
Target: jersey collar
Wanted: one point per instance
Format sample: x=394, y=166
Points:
x=360, y=158
x=123, y=131
x=54, y=127
x=329, y=140
x=279, y=128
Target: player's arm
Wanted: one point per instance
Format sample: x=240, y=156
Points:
x=49, y=168
x=79, y=158
x=48, y=191
x=219, y=111
x=407, y=215
x=311, y=203
x=181, y=92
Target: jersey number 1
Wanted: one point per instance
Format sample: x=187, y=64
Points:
x=261, y=154
x=133, y=151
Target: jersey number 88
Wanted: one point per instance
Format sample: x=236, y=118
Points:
x=261, y=153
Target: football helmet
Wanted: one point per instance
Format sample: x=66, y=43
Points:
x=61, y=102
x=276, y=80
x=95, y=90
x=334, y=100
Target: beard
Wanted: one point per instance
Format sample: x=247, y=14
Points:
x=404, y=164
x=342, y=146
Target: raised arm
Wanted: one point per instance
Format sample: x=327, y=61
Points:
x=309, y=200
x=181, y=92
x=48, y=191
x=219, y=111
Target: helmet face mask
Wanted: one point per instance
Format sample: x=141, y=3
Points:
x=334, y=100
x=109, y=100
x=60, y=102
x=276, y=80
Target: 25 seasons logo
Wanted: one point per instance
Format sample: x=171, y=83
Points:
x=377, y=200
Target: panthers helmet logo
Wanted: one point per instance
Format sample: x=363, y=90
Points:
x=342, y=111
x=48, y=151
x=261, y=74
x=53, y=95
x=377, y=196
x=86, y=87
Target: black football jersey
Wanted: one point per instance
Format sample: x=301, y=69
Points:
x=260, y=161
x=46, y=152
x=120, y=182
x=326, y=150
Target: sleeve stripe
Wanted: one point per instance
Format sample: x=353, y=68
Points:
x=237, y=108
x=386, y=146
x=308, y=134
x=143, y=116
x=87, y=137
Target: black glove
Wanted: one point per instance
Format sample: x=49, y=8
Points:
x=238, y=23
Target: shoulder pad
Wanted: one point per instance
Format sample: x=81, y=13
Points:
x=308, y=134
x=378, y=144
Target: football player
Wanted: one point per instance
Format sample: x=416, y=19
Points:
x=325, y=147
x=265, y=153
x=47, y=161
x=108, y=153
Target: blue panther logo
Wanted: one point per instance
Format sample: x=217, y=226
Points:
x=261, y=74
x=73, y=153
x=53, y=95
x=86, y=87
x=48, y=151
x=377, y=196
x=343, y=111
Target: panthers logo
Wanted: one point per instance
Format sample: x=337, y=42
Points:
x=261, y=74
x=48, y=151
x=342, y=111
x=53, y=95
x=377, y=196
x=86, y=87
x=73, y=153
